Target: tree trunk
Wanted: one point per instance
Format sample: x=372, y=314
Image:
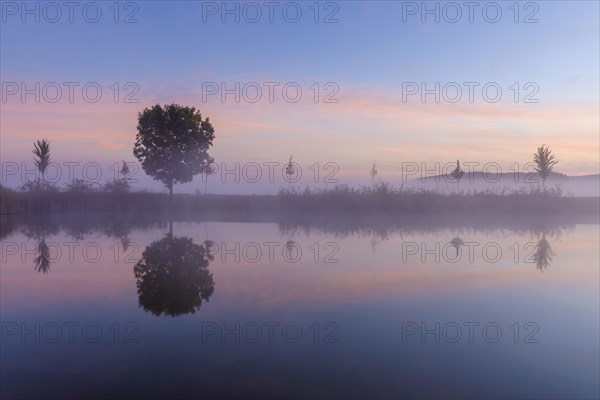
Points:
x=170, y=195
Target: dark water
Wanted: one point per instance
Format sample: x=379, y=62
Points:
x=229, y=309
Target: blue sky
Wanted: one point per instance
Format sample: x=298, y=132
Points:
x=368, y=54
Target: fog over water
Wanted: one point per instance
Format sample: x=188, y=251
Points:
x=390, y=305
x=268, y=177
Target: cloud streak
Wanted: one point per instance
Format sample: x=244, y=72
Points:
x=366, y=123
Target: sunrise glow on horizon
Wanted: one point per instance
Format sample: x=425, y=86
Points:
x=401, y=91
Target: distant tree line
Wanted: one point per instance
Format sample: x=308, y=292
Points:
x=172, y=147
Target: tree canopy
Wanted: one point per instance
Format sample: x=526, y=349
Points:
x=172, y=143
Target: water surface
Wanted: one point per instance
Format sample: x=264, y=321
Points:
x=270, y=310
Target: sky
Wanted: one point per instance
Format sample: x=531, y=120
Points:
x=342, y=85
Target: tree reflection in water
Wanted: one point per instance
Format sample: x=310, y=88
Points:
x=42, y=259
x=39, y=231
x=457, y=243
x=173, y=276
x=543, y=254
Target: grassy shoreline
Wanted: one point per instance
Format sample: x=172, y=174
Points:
x=342, y=201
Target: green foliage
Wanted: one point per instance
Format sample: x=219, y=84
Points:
x=172, y=143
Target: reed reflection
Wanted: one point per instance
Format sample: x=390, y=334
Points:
x=40, y=232
x=42, y=259
x=543, y=254
x=120, y=227
x=457, y=243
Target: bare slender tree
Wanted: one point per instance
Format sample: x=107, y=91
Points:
x=289, y=170
x=373, y=173
x=456, y=174
x=124, y=169
x=544, y=162
x=124, y=172
x=209, y=169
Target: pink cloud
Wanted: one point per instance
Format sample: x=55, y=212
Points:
x=365, y=124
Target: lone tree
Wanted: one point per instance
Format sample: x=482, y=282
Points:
x=172, y=143
x=209, y=169
x=41, y=150
x=120, y=185
x=124, y=170
x=456, y=174
x=544, y=162
x=289, y=170
x=373, y=172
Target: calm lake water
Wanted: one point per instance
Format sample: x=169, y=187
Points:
x=229, y=309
